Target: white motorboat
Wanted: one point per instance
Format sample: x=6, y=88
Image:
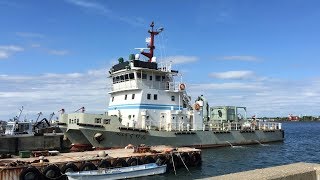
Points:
x=119, y=173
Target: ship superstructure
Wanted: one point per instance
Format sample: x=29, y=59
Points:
x=146, y=95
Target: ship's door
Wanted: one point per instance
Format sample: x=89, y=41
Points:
x=163, y=120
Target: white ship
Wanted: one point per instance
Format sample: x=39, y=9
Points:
x=149, y=105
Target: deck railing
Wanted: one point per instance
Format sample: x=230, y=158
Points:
x=244, y=126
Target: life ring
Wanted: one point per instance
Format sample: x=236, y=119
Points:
x=104, y=164
x=133, y=161
x=69, y=167
x=119, y=163
x=52, y=171
x=147, y=160
x=182, y=86
x=30, y=173
x=197, y=106
x=195, y=159
x=88, y=166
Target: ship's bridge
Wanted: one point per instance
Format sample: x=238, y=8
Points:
x=136, y=74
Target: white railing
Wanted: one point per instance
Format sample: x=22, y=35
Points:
x=179, y=126
x=133, y=84
x=244, y=126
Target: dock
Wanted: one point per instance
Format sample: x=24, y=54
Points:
x=296, y=171
x=54, y=164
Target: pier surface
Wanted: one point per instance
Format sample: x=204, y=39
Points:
x=19, y=168
x=93, y=155
x=296, y=171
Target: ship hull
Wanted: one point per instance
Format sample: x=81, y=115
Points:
x=77, y=138
x=200, y=139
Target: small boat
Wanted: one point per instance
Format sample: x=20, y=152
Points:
x=119, y=173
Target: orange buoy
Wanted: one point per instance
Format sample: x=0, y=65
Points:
x=197, y=106
x=182, y=86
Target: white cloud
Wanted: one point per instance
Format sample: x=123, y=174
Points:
x=227, y=86
x=180, y=59
x=233, y=75
x=89, y=5
x=266, y=98
x=103, y=10
x=50, y=92
x=240, y=58
x=6, y=51
x=3, y=54
x=11, y=48
x=58, y=52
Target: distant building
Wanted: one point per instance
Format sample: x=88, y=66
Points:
x=293, y=118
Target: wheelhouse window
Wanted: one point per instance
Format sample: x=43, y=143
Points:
x=125, y=97
x=138, y=75
x=173, y=98
x=126, y=77
x=150, y=78
x=148, y=96
x=133, y=95
x=106, y=121
x=155, y=97
x=131, y=76
x=158, y=78
x=97, y=120
x=144, y=76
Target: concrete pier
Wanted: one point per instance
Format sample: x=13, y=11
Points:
x=296, y=171
x=54, y=166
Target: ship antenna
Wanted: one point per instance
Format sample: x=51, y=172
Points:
x=18, y=118
x=151, y=44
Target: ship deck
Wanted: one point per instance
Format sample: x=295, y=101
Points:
x=93, y=155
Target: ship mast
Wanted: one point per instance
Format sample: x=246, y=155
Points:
x=151, y=45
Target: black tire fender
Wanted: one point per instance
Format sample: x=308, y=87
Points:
x=161, y=160
x=51, y=171
x=133, y=161
x=186, y=159
x=119, y=163
x=69, y=167
x=195, y=159
x=147, y=160
x=104, y=164
x=30, y=172
x=172, y=161
x=88, y=166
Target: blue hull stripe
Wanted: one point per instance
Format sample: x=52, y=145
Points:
x=145, y=106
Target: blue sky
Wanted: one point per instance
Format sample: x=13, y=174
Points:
x=259, y=54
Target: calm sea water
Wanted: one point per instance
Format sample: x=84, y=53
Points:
x=302, y=144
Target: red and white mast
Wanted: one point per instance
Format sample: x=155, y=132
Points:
x=151, y=44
